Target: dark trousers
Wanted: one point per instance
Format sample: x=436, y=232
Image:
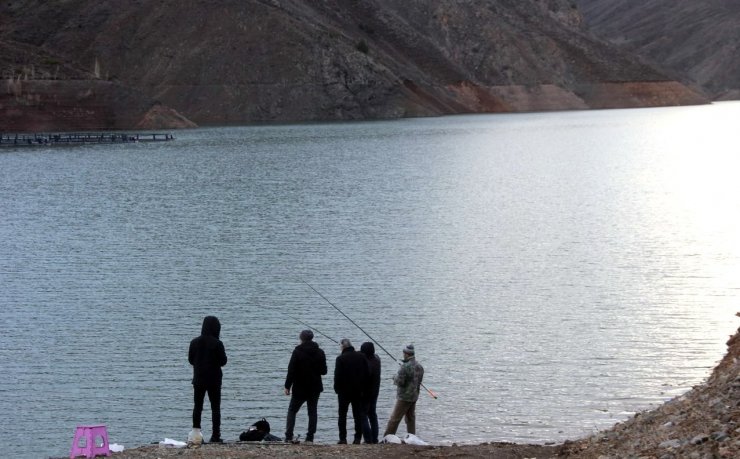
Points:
x=372, y=417
x=214, y=398
x=296, y=401
x=358, y=414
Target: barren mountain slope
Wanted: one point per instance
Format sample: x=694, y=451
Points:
x=696, y=41
x=241, y=61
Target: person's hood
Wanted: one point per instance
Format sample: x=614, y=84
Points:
x=368, y=349
x=211, y=327
x=348, y=349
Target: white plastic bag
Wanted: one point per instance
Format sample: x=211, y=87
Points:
x=115, y=448
x=170, y=443
x=390, y=438
x=411, y=439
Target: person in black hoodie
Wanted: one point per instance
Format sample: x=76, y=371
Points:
x=371, y=397
x=306, y=367
x=207, y=355
x=351, y=381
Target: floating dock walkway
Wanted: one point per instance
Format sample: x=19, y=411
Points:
x=80, y=138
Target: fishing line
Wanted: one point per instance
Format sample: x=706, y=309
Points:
x=347, y=317
x=432, y=394
x=313, y=328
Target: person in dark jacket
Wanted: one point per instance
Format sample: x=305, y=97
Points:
x=306, y=367
x=351, y=381
x=207, y=355
x=371, y=397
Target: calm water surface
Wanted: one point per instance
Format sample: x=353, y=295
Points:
x=556, y=272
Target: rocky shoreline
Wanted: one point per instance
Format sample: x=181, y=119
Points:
x=702, y=423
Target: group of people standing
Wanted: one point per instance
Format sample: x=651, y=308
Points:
x=356, y=383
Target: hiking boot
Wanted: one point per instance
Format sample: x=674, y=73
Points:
x=357, y=441
x=216, y=440
x=308, y=442
x=342, y=442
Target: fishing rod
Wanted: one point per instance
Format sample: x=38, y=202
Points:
x=347, y=317
x=314, y=329
x=432, y=394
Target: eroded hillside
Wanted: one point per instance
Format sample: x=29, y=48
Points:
x=696, y=42
x=243, y=61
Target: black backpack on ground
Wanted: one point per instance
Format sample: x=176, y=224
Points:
x=259, y=431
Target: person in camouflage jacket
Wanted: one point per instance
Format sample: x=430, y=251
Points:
x=408, y=381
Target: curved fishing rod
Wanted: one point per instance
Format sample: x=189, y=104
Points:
x=312, y=328
x=432, y=394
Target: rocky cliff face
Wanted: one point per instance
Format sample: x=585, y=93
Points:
x=694, y=41
x=242, y=61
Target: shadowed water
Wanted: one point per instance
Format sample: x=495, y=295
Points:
x=556, y=272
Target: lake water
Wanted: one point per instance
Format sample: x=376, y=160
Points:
x=555, y=271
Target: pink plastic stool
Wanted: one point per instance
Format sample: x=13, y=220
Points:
x=90, y=434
